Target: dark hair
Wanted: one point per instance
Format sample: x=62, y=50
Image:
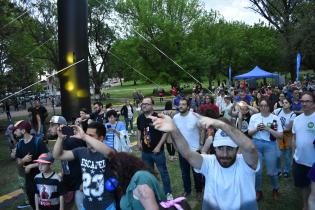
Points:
x=108, y=105
x=84, y=110
x=152, y=101
x=124, y=166
x=310, y=94
x=268, y=101
x=111, y=113
x=288, y=99
x=98, y=103
x=187, y=101
x=99, y=127
x=168, y=105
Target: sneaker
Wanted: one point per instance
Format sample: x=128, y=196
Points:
x=279, y=173
x=259, y=196
x=286, y=175
x=275, y=194
x=169, y=196
x=185, y=194
x=23, y=205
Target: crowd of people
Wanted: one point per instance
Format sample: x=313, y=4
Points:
x=224, y=139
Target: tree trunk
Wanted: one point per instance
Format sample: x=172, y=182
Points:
x=97, y=90
x=134, y=82
x=121, y=84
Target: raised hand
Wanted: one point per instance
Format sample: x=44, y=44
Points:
x=163, y=123
x=78, y=132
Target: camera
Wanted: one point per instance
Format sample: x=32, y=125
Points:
x=67, y=130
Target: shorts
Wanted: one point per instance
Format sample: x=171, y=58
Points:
x=300, y=175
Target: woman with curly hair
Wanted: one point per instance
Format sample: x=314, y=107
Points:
x=138, y=186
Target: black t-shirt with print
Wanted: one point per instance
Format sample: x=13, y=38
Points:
x=150, y=137
x=94, y=175
x=72, y=177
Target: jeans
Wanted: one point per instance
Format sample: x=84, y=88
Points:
x=129, y=121
x=286, y=154
x=160, y=161
x=267, y=152
x=185, y=169
x=79, y=199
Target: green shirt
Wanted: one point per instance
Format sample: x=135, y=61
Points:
x=129, y=202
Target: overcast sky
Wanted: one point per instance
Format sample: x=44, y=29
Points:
x=233, y=10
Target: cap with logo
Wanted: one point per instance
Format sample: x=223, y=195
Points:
x=222, y=139
x=58, y=120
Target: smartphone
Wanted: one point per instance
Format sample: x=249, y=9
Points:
x=67, y=130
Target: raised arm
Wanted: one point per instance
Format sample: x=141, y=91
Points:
x=165, y=123
x=248, y=148
x=94, y=143
x=58, y=151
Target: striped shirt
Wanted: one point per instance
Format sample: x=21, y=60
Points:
x=48, y=190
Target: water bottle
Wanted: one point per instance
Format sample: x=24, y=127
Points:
x=274, y=126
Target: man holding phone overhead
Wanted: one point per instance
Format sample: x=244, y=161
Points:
x=71, y=170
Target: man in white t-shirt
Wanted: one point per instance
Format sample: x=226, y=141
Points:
x=265, y=128
x=303, y=142
x=230, y=177
x=187, y=123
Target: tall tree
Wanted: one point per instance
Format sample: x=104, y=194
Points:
x=101, y=38
x=283, y=16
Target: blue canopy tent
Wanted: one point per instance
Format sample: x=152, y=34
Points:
x=256, y=73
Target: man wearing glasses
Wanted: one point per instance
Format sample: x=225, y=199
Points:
x=303, y=143
x=151, y=143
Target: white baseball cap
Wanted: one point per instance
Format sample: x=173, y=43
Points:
x=58, y=120
x=222, y=139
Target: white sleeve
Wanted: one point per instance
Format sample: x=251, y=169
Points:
x=293, y=116
x=252, y=124
x=293, y=126
x=207, y=164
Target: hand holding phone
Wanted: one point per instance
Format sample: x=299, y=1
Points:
x=67, y=130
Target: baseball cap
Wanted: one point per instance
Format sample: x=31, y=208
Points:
x=45, y=158
x=222, y=139
x=22, y=124
x=58, y=120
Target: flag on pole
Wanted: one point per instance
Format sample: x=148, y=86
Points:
x=230, y=77
x=298, y=64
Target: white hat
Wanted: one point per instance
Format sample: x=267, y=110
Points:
x=222, y=139
x=58, y=120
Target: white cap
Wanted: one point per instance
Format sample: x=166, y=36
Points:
x=222, y=139
x=58, y=120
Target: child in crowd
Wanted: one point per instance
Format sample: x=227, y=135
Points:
x=48, y=185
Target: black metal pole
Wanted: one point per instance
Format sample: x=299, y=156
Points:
x=73, y=46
